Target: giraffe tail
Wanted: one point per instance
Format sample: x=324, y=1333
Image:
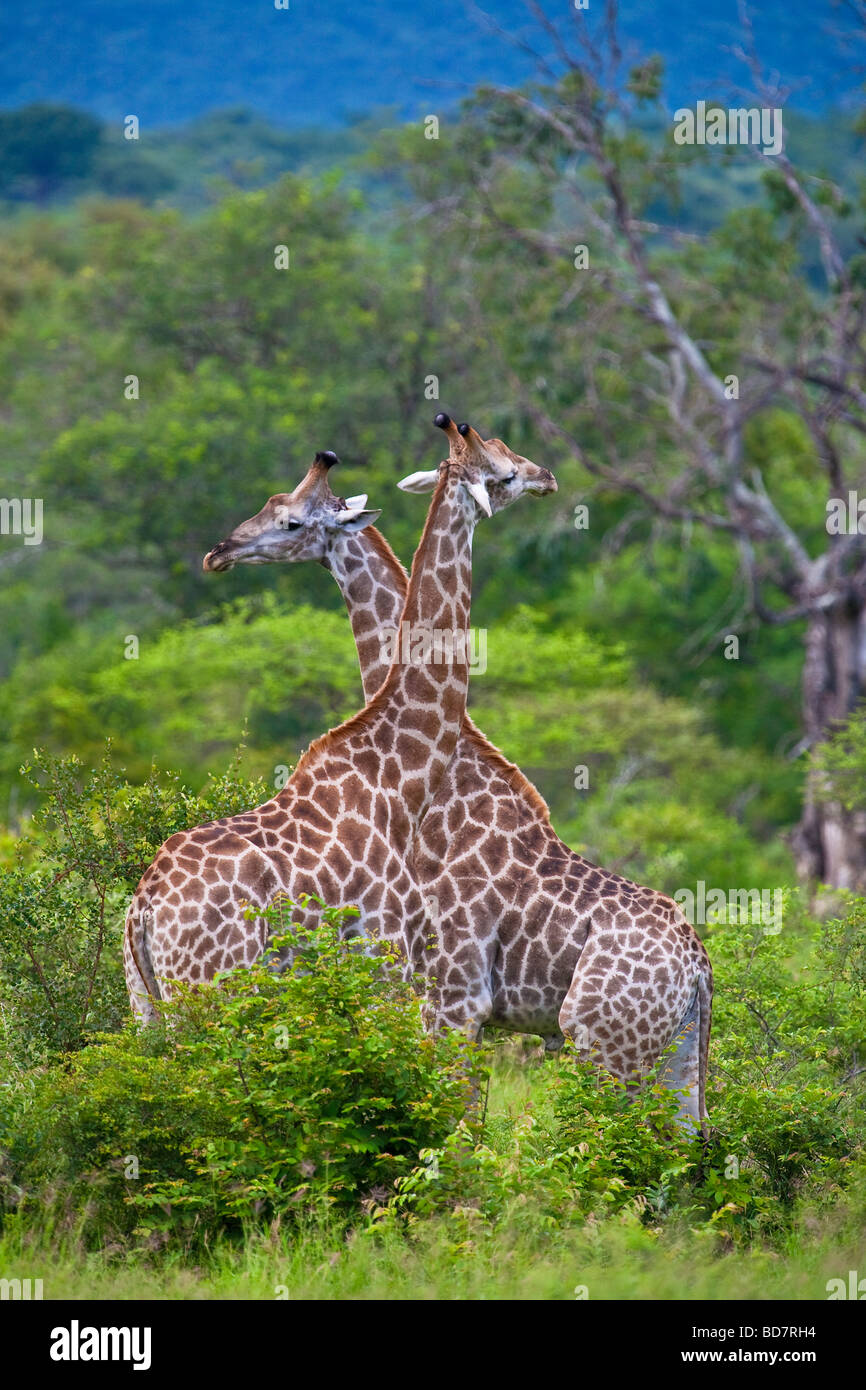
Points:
x=140, y=978
x=705, y=1016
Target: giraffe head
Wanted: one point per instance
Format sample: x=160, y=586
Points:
x=494, y=475
x=299, y=525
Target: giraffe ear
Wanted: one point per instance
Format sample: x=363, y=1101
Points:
x=358, y=502
x=419, y=482
x=355, y=518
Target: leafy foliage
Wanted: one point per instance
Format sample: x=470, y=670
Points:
x=273, y=1099
x=841, y=763
x=265, y=1096
x=64, y=894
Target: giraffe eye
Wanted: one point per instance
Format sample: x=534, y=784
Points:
x=290, y=525
x=511, y=477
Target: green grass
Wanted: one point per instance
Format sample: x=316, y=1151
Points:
x=621, y=1263
x=455, y=1257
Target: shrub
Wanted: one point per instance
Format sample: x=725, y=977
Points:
x=785, y=1099
x=619, y=1143
x=592, y=1146
x=261, y=1098
x=63, y=900
x=787, y=1025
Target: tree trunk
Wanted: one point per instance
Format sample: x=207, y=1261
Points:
x=830, y=843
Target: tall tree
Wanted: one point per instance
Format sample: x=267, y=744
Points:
x=683, y=350
x=44, y=145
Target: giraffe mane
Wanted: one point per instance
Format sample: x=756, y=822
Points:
x=517, y=781
x=380, y=544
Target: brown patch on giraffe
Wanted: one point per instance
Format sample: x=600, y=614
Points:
x=413, y=754
x=361, y=589
x=422, y=721
x=356, y=796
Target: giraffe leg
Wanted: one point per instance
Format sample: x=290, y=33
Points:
x=683, y=1068
x=459, y=990
x=140, y=980
x=619, y=1018
x=467, y=1016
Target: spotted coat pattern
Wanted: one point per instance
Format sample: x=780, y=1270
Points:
x=522, y=932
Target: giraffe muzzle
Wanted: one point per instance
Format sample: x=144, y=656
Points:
x=218, y=559
x=544, y=483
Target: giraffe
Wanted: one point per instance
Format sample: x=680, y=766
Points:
x=341, y=830
x=530, y=936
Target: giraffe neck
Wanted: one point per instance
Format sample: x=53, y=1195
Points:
x=373, y=584
x=407, y=733
x=423, y=699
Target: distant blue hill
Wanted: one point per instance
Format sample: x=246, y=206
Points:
x=323, y=61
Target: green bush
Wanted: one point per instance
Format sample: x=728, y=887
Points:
x=785, y=1098
x=264, y=1097
x=784, y=1095
x=64, y=896
x=618, y=1144
x=593, y=1146
x=227, y=1127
